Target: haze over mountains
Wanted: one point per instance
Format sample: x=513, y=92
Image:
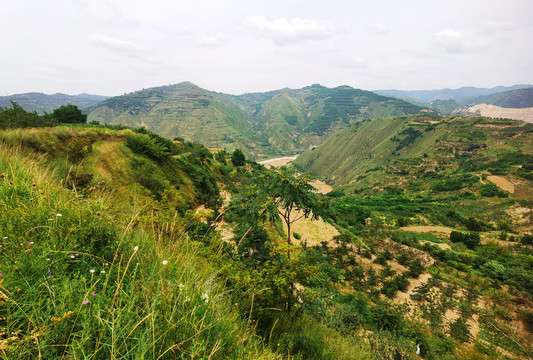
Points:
x=36, y=101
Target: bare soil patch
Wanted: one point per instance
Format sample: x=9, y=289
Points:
x=322, y=187
x=277, y=162
x=442, y=246
x=427, y=229
x=502, y=183
x=312, y=231
x=525, y=114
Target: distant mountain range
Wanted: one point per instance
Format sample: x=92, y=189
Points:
x=42, y=103
x=261, y=124
x=464, y=95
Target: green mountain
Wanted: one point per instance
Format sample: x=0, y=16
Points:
x=375, y=153
x=276, y=122
x=47, y=103
x=521, y=98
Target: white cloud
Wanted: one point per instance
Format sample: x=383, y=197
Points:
x=379, y=28
x=283, y=31
x=214, y=40
x=451, y=40
x=113, y=44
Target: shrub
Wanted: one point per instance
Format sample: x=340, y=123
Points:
x=238, y=158
x=471, y=240
x=69, y=114
x=491, y=190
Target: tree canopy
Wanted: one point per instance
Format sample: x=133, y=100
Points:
x=69, y=114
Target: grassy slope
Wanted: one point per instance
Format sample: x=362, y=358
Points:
x=94, y=276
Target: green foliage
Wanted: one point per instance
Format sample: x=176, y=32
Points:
x=238, y=158
x=150, y=145
x=471, y=240
x=491, y=190
x=16, y=117
x=459, y=330
x=69, y=114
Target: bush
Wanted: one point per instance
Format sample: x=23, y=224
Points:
x=491, y=190
x=471, y=240
x=238, y=158
x=69, y=114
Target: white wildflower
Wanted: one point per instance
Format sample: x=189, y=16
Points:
x=135, y=248
x=91, y=271
x=58, y=215
x=165, y=262
x=205, y=297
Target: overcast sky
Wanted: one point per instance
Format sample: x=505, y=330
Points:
x=118, y=46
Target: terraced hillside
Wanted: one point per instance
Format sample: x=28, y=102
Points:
x=382, y=151
x=262, y=124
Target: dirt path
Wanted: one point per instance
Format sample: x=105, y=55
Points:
x=502, y=183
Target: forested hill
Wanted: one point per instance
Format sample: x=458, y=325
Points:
x=261, y=124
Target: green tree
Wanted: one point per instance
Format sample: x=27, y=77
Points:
x=69, y=114
x=238, y=158
x=292, y=196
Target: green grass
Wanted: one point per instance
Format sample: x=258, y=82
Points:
x=78, y=281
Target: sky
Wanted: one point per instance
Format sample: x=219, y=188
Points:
x=111, y=47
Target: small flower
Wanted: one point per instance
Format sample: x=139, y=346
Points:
x=135, y=248
x=165, y=262
x=94, y=293
x=50, y=219
x=181, y=286
x=205, y=297
x=102, y=271
x=5, y=237
x=58, y=215
x=48, y=255
x=49, y=271
x=91, y=271
x=1, y=275
x=86, y=301
x=72, y=256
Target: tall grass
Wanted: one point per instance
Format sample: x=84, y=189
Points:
x=79, y=283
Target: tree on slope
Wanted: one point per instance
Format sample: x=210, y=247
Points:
x=69, y=114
